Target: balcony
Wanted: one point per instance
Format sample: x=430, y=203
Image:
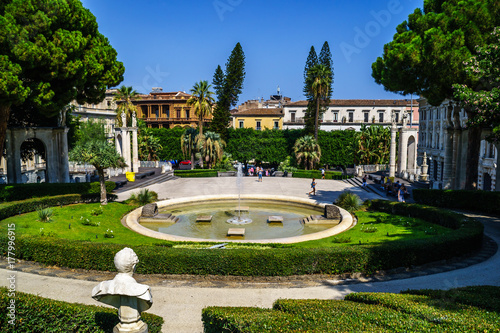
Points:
x=298, y=120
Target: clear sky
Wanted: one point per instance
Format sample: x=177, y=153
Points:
x=173, y=44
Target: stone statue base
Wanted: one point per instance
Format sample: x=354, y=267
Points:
x=137, y=327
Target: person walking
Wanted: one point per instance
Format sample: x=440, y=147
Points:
x=313, y=187
x=401, y=193
x=259, y=171
x=323, y=173
x=364, y=180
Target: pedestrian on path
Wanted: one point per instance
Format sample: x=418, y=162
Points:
x=313, y=187
x=401, y=193
x=364, y=180
x=259, y=170
x=323, y=173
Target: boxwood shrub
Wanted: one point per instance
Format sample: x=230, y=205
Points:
x=30, y=205
x=337, y=175
x=38, y=314
x=17, y=192
x=477, y=201
x=416, y=311
x=196, y=173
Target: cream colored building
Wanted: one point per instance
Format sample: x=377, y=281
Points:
x=342, y=114
x=443, y=136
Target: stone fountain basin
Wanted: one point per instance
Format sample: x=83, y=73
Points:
x=132, y=219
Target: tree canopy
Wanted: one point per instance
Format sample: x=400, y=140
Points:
x=51, y=53
x=319, y=81
x=427, y=55
x=202, y=101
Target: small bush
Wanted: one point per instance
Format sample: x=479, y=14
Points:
x=97, y=211
x=87, y=221
x=368, y=229
x=144, y=197
x=38, y=314
x=45, y=214
x=341, y=239
x=109, y=234
x=349, y=201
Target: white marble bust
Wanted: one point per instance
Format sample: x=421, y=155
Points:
x=123, y=292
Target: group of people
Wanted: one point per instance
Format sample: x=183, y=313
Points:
x=396, y=189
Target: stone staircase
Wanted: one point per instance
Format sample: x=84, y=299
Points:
x=169, y=175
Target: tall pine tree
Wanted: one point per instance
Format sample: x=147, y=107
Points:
x=312, y=60
x=228, y=87
x=325, y=58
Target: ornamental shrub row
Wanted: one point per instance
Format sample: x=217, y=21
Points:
x=30, y=205
x=17, y=192
x=478, y=201
x=285, y=261
x=196, y=173
x=337, y=175
x=416, y=311
x=38, y=314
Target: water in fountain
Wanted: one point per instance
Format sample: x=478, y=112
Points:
x=239, y=185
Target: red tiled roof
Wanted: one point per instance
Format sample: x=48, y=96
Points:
x=259, y=112
x=362, y=102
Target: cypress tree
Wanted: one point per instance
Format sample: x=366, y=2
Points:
x=325, y=58
x=312, y=60
x=228, y=86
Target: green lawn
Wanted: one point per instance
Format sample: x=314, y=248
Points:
x=372, y=227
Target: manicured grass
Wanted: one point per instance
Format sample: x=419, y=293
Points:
x=372, y=227
x=67, y=224
x=378, y=227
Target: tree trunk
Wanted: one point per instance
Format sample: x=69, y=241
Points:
x=104, y=199
x=4, y=119
x=472, y=163
x=316, y=120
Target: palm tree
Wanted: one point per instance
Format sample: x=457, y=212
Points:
x=148, y=144
x=211, y=148
x=373, y=144
x=308, y=150
x=189, y=143
x=201, y=101
x=125, y=96
x=320, y=82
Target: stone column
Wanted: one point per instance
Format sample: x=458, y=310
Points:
x=403, y=151
x=62, y=153
x=13, y=158
x=135, y=151
x=126, y=149
x=392, y=158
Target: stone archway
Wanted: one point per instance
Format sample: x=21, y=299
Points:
x=33, y=161
x=55, y=146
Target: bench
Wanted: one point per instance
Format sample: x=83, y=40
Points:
x=120, y=183
x=144, y=174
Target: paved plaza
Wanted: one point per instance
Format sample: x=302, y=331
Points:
x=180, y=302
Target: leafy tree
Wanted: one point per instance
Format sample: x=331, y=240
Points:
x=484, y=102
x=52, y=53
x=125, y=96
x=372, y=144
x=148, y=144
x=188, y=144
x=319, y=79
x=336, y=147
x=202, y=101
x=98, y=152
x=308, y=150
x=427, y=54
x=170, y=139
x=210, y=148
x=228, y=87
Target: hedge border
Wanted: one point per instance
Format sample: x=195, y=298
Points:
x=285, y=261
x=41, y=314
x=336, y=175
x=476, y=201
x=195, y=173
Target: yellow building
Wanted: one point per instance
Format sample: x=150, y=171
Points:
x=258, y=119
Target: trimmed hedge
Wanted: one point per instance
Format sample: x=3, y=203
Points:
x=477, y=201
x=17, y=192
x=285, y=261
x=38, y=314
x=337, y=175
x=362, y=312
x=30, y=205
x=196, y=173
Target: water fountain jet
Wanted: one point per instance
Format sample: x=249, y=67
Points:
x=239, y=185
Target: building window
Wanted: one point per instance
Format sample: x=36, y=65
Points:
x=178, y=113
x=351, y=117
x=257, y=126
x=241, y=124
x=276, y=124
x=381, y=117
x=292, y=117
x=396, y=117
x=366, y=115
x=335, y=116
x=167, y=113
x=187, y=114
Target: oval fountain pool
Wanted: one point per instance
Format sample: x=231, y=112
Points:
x=286, y=212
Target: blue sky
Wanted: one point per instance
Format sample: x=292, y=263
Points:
x=173, y=44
